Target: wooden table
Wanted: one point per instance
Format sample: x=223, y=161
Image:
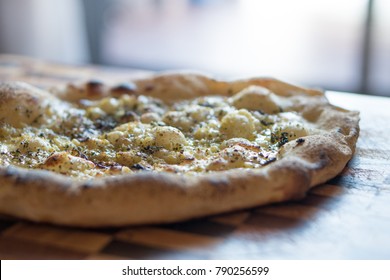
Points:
x=346, y=218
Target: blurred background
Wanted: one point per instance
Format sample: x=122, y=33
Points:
x=334, y=44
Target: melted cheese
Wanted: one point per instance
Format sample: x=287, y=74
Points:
x=114, y=136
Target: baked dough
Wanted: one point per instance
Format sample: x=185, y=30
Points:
x=164, y=148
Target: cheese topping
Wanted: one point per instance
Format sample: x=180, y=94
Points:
x=114, y=136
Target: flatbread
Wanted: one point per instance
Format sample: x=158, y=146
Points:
x=160, y=187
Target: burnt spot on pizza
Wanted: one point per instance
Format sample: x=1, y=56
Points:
x=300, y=141
x=124, y=88
x=94, y=88
x=91, y=84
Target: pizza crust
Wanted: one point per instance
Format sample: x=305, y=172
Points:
x=146, y=197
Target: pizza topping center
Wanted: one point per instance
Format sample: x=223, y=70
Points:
x=131, y=133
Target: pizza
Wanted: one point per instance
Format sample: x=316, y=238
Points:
x=164, y=148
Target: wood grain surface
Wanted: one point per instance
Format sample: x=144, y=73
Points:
x=346, y=218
